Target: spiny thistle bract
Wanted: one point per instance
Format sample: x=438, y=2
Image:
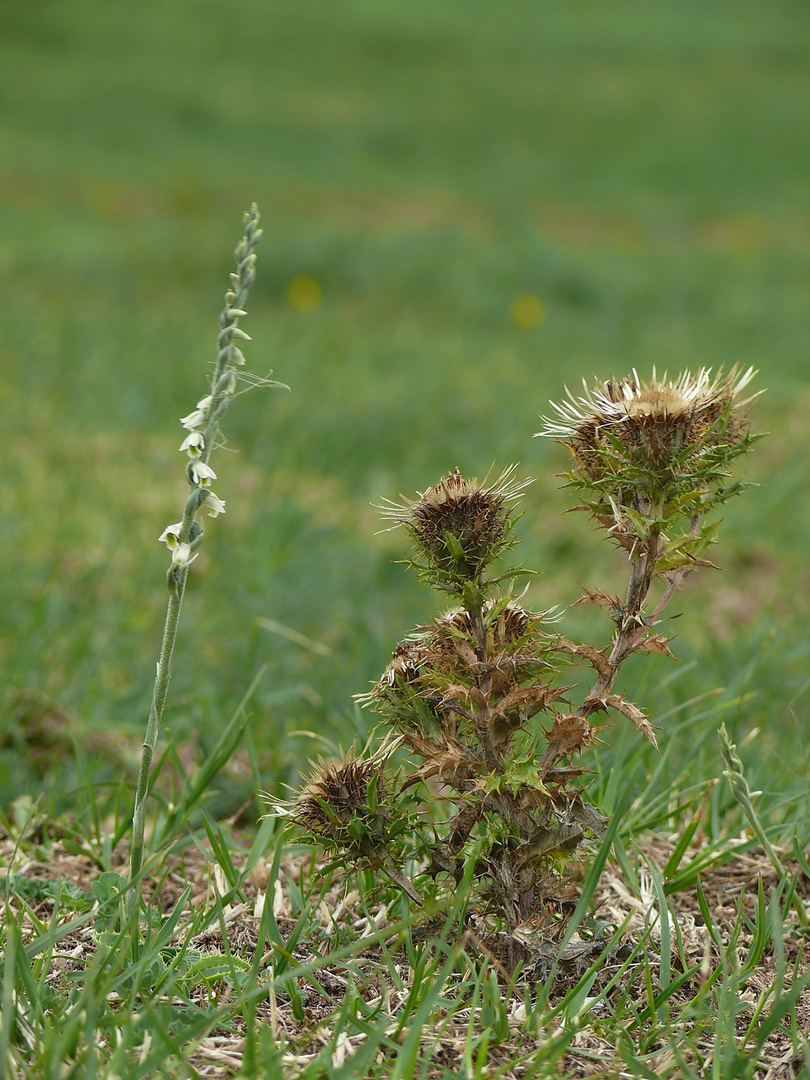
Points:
x=479, y=696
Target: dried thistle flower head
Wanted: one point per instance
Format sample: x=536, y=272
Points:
x=459, y=526
x=662, y=422
x=348, y=806
x=653, y=459
x=437, y=684
x=439, y=648
x=340, y=803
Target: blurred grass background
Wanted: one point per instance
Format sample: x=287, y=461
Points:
x=466, y=207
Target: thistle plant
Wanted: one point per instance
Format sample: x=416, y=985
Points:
x=183, y=538
x=651, y=463
x=479, y=696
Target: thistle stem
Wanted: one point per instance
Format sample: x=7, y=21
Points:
x=627, y=639
x=476, y=617
x=481, y=719
x=635, y=589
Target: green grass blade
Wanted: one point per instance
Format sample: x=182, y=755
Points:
x=218, y=756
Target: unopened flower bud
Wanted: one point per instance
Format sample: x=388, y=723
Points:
x=225, y=335
x=226, y=384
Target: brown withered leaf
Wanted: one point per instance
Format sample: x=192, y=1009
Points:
x=503, y=668
x=512, y=661
x=423, y=746
x=656, y=643
x=634, y=714
x=462, y=825
x=465, y=651
x=568, y=733
x=532, y=698
x=589, y=816
x=523, y=703
x=563, y=773
x=623, y=537
x=449, y=763
x=556, y=839
x=456, y=692
x=596, y=657
x=596, y=596
x=500, y=679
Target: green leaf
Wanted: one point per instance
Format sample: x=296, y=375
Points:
x=520, y=773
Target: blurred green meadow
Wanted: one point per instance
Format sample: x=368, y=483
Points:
x=466, y=208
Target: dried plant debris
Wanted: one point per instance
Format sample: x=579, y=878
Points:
x=379, y=972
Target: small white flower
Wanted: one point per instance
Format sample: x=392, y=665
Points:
x=202, y=474
x=199, y=417
x=181, y=556
x=171, y=535
x=237, y=356
x=213, y=504
x=194, y=420
x=193, y=444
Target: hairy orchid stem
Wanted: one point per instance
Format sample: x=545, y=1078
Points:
x=184, y=538
x=164, y=673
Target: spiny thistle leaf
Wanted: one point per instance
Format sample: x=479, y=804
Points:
x=633, y=714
